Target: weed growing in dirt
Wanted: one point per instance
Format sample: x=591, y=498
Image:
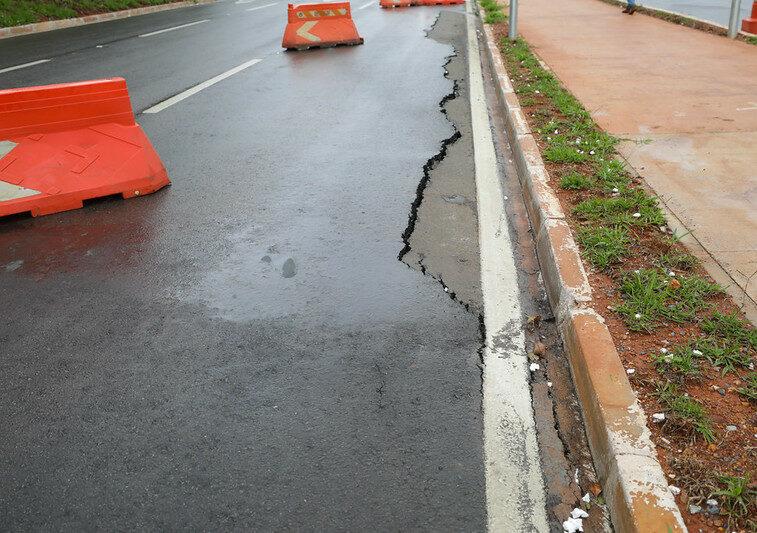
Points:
x=603, y=246
x=629, y=208
x=686, y=411
x=737, y=497
x=576, y=181
x=681, y=363
x=676, y=259
x=693, y=476
x=495, y=17
x=721, y=354
x=651, y=296
x=732, y=328
x=564, y=154
x=749, y=389
x=612, y=172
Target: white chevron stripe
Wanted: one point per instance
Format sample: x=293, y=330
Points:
x=305, y=29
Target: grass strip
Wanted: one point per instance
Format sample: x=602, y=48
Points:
x=18, y=12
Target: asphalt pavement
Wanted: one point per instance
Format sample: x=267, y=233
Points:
x=242, y=349
x=317, y=326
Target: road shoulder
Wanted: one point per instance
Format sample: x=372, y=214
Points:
x=631, y=477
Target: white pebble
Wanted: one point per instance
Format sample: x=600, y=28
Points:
x=579, y=513
x=637, y=315
x=658, y=417
x=663, y=350
x=534, y=367
x=696, y=352
x=636, y=215
x=675, y=490
x=630, y=371
x=573, y=525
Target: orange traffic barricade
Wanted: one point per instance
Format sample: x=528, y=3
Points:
x=320, y=26
x=406, y=3
x=398, y=3
x=750, y=25
x=439, y=2
x=63, y=144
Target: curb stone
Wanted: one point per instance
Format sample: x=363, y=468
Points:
x=635, y=487
x=49, y=25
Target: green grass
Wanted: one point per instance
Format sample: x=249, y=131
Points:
x=495, y=17
x=631, y=208
x=649, y=298
x=575, y=181
x=737, y=498
x=604, y=246
x=681, y=362
x=676, y=259
x=688, y=411
x=490, y=6
x=565, y=154
x=612, y=172
x=749, y=389
x=721, y=354
x=731, y=328
x=17, y=12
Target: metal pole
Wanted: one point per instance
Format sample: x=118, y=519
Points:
x=733, y=23
x=513, y=33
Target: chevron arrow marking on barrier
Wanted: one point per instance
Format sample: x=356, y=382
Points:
x=305, y=28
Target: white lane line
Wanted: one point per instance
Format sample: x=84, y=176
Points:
x=174, y=28
x=511, y=452
x=243, y=1
x=24, y=65
x=261, y=7
x=157, y=108
x=369, y=4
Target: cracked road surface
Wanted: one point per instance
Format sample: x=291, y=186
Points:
x=244, y=350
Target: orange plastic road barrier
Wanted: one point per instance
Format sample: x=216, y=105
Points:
x=320, y=26
x=439, y=2
x=405, y=3
x=398, y=3
x=750, y=25
x=63, y=144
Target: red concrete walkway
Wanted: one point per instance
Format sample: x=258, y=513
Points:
x=692, y=95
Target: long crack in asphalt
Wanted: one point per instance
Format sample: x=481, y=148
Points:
x=441, y=240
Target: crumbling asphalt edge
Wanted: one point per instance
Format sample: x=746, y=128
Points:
x=632, y=479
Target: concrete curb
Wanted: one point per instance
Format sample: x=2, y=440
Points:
x=49, y=25
x=633, y=482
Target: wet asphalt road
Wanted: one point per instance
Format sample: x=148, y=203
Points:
x=243, y=349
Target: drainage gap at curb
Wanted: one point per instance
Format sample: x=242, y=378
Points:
x=567, y=464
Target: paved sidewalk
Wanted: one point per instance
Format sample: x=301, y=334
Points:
x=691, y=95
